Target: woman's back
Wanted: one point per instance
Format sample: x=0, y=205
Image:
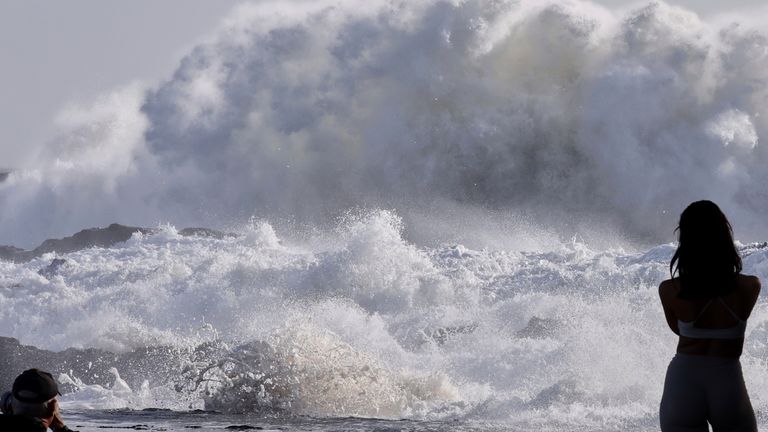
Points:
x=707, y=306
x=724, y=312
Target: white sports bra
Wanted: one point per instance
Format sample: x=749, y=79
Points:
x=688, y=329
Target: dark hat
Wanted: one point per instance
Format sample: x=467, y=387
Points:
x=35, y=386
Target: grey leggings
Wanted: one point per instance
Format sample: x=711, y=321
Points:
x=703, y=388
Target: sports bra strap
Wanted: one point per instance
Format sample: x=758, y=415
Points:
x=728, y=308
x=704, y=309
x=688, y=328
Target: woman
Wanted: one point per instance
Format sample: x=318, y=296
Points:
x=707, y=305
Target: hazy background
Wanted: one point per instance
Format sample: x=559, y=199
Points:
x=55, y=53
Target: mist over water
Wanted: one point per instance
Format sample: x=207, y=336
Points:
x=440, y=210
x=562, y=112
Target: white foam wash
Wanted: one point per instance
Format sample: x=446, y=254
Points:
x=470, y=138
x=358, y=321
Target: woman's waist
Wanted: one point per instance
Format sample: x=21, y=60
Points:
x=723, y=348
x=702, y=360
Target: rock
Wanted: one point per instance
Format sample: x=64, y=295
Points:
x=561, y=393
x=205, y=232
x=538, y=328
x=52, y=269
x=87, y=238
x=95, y=237
x=9, y=253
x=441, y=334
x=91, y=366
x=92, y=237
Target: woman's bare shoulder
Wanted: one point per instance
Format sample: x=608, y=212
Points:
x=749, y=283
x=669, y=288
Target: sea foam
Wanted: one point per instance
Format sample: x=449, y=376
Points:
x=440, y=210
x=356, y=320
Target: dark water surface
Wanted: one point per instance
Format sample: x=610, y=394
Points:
x=162, y=420
x=167, y=420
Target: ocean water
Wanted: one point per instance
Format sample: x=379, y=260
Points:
x=207, y=421
x=579, y=118
x=359, y=322
x=443, y=215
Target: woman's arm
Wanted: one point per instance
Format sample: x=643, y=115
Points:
x=754, y=293
x=667, y=294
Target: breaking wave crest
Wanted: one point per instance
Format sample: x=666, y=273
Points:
x=423, y=208
x=356, y=320
x=560, y=111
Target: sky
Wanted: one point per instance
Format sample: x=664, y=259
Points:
x=58, y=53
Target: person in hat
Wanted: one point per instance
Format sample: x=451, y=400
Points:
x=32, y=405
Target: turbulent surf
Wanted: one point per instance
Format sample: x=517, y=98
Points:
x=358, y=321
x=423, y=209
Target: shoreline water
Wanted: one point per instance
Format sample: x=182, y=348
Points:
x=357, y=321
x=93, y=421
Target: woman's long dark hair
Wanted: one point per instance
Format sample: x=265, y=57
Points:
x=706, y=260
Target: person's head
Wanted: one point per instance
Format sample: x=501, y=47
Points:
x=706, y=259
x=34, y=395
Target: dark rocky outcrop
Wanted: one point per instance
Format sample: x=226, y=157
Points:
x=442, y=334
x=538, y=328
x=87, y=238
x=205, y=232
x=561, y=393
x=9, y=253
x=95, y=237
x=92, y=366
x=52, y=269
x=249, y=378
